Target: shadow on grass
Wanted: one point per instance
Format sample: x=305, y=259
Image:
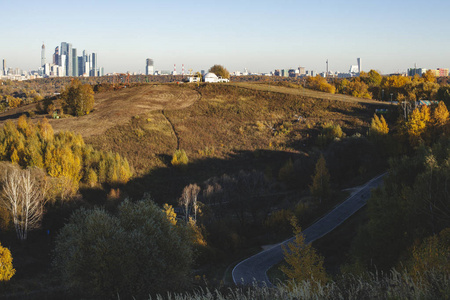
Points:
x=166, y=184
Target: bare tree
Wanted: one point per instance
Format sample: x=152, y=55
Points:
x=188, y=201
x=22, y=196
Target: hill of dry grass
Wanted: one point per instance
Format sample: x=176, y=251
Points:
x=148, y=123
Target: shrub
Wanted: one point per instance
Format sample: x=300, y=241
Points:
x=6, y=268
x=137, y=252
x=179, y=158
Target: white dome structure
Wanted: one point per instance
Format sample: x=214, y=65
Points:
x=210, y=77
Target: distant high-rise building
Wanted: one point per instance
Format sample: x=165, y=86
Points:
x=43, y=55
x=359, y=64
x=443, y=72
x=301, y=71
x=63, y=65
x=149, y=67
x=94, y=64
x=66, y=49
x=80, y=65
x=4, y=67
x=56, y=56
x=416, y=71
x=74, y=62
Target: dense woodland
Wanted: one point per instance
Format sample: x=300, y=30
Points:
x=95, y=218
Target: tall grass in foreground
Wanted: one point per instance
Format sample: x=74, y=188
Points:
x=393, y=285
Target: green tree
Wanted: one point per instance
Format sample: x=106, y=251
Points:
x=220, y=71
x=134, y=253
x=6, y=267
x=303, y=262
x=78, y=98
x=443, y=94
x=320, y=187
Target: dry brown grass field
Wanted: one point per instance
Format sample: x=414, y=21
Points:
x=212, y=122
x=303, y=92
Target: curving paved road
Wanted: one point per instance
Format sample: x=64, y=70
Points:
x=255, y=267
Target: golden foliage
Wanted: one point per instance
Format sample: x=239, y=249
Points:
x=320, y=84
x=440, y=115
x=196, y=233
x=417, y=124
x=62, y=155
x=432, y=254
x=6, y=268
x=378, y=126
x=303, y=262
x=179, y=158
x=170, y=213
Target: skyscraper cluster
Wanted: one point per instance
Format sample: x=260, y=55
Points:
x=67, y=63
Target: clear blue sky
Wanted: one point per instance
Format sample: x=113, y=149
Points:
x=262, y=35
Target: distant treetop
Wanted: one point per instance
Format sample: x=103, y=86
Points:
x=220, y=71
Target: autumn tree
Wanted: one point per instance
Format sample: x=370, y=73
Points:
x=378, y=126
x=433, y=254
x=320, y=84
x=429, y=76
x=78, y=98
x=320, y=187
x=220, y=71
x=303, y=262
x=6, y=267
x=22, y=197
x=417, y=124
x=374, y=78
x=170, y=213
x=440, y=115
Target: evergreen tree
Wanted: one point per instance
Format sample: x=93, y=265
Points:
x=320, y=187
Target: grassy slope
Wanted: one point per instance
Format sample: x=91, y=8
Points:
x=221, y=132
x=219, y=126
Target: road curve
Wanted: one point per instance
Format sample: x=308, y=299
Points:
x=255, y=267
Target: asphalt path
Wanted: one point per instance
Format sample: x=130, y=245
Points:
x=254, y=269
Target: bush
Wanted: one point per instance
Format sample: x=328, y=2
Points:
x=179, y=158
x=137, y=252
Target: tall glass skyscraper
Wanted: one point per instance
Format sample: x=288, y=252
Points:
x=66, y=49
x=43, y=55
x=149, y=67
x=74, y=62
x=94, y=64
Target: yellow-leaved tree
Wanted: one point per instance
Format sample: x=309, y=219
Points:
x=6, y=267
x=378, y=126
x=417, y=125
x=170, y=214
x=303, y=262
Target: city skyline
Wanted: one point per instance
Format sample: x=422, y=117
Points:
x=257, y=35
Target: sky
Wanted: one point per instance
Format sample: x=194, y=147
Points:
x=388, y=36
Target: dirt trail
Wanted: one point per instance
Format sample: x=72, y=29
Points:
x=304, y=92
